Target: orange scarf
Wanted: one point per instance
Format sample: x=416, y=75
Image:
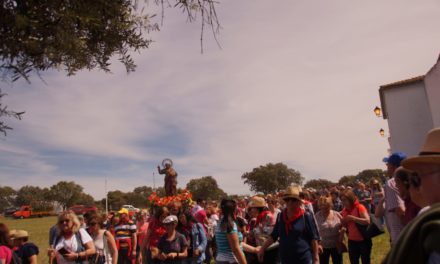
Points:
x=288, y=221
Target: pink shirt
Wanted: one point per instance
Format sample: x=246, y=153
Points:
x=5, y=253
x=142, y=232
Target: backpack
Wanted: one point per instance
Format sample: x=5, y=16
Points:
x=15, y=259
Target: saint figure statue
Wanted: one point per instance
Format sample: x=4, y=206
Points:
x=170, y=177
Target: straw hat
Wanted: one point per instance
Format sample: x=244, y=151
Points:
x=292, y=192
x=20, y=234
x=256, y=201
x=430, y=153
x=12, y=233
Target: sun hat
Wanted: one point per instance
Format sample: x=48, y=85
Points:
x=292, y=192
x=12, y=233
x=123, y=211
x=430, y=153
x=395, y=159
x=170, y=219
x=256, y=201
x=20, y=234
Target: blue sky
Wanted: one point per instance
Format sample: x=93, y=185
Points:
x=294, y=82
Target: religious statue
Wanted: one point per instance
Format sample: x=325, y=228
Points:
x=170, y=177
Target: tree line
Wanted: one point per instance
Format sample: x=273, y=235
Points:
x=269, y=178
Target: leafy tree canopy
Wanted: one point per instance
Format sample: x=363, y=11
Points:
x=319, y=184
x=81, y=34
x=205, y=188
x=271, y=178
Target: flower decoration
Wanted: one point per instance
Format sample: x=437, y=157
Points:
x=185, y=197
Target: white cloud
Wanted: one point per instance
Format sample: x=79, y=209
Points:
x=295, y=82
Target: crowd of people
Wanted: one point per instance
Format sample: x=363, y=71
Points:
x=293, y=226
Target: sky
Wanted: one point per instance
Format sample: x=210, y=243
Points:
x=293, y=82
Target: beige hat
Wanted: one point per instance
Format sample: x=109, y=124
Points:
x=20, y=234
x=292, y=192
x=430, y=153
x=12, y=233
x=256, y=201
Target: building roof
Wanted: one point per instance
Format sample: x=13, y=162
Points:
x=393, y=86
x=403, y=82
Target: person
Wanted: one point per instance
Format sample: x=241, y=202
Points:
x=105, y=244
x=155, y=231
x=27, y=251
x=5, y=245
x=272, y=203
x=363, y=195
x=337, y=203
x=354, y=214
x=418, y=242
x=213, y=218
x=416, y=194
x=73, y=244
x=298, y=239
x=393, y=203
x=125, y=236
x=329, y=224
x=170, y=177
x=173, y=247
x=377, y=194
x=264, y=224
x=195, y=235
x=141, y=232
x=228, y=239
x=402, y=183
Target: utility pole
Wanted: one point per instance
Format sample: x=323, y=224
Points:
x=106, y=197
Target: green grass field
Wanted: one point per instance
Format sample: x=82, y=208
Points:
x=38, y=229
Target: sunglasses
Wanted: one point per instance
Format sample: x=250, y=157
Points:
x=415, y=180
x=63, y=221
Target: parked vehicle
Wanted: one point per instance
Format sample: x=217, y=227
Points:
x=10, y=211
x=26, y=211
x=131, y=209
x=82, y=209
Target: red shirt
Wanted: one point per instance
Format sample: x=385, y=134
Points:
x=353, y=231
x=157, y=231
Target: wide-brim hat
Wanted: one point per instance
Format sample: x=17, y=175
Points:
x=430, y=153
x=292, y=192
x=256, y=201
x=20, y=234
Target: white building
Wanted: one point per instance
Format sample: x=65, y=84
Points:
x=412, y=108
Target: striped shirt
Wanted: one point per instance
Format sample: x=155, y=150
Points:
x=224, y=251
x=393, y=201
x=124, y=232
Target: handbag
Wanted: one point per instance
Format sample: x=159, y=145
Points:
x=372, y=230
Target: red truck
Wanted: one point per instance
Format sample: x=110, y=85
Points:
x=26, y=211
x=82, y=209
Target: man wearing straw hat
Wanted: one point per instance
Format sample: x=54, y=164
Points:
x=25, y=250
x=419, y=240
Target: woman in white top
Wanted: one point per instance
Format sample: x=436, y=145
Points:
x=106, y=251
x=329, y=224
x=73, y=244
